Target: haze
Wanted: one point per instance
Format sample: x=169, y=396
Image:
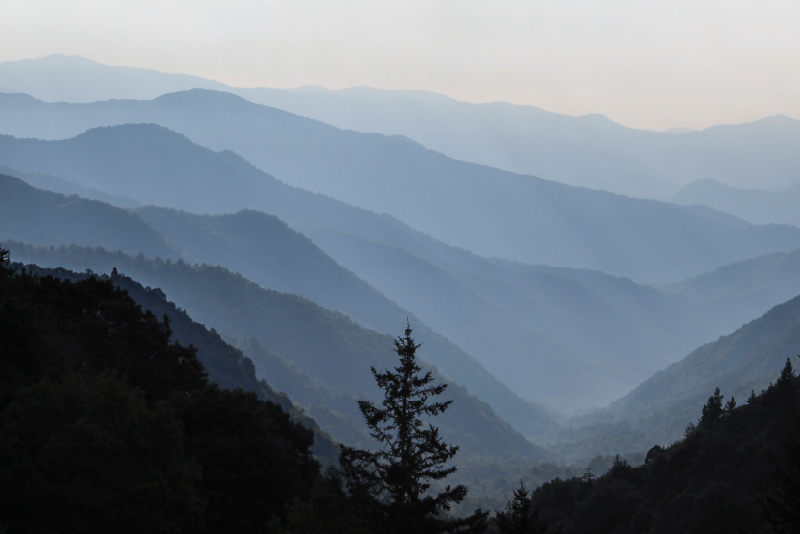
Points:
x=652, y=65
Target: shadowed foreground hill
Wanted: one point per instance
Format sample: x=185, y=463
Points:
x=324, y=345
x=737, y=470
x=491, y=212
x=107, y=426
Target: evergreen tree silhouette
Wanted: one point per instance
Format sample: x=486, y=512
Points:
x=712, y=411
x=518, y=517
x=392, y=482
x=787, y=374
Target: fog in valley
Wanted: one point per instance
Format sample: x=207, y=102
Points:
x=590, y=291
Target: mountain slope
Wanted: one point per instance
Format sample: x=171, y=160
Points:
x=325, y=345
x=754, y=205
x=265, y=250
x=492, y=212
x=45, y=218
x=224, y=364
x=748, y=359
x=745, y=289
x=268, y=252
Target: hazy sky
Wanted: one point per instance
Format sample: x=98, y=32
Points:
x=647, y=64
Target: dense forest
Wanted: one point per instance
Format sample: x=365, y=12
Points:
x=108, y=426
x=112, y=419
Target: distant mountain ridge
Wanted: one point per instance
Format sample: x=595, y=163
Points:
x=280, y=258
x=548, y=322
x=755, y=205
x=590, y=150
x=491, y=212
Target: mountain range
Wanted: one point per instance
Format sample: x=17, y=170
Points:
x=549, y=322
x=755, y=205
x=488, y=211
x=590, y=151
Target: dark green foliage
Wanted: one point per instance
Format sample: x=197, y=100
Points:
x=50, y=326
x=393, y=481
x=107, y=426
x=86, y=453
x=330, y=510
x=712, y=411
x=255, y=460
x=787, y=375
x=738, y=470
x=519, y=517
x=781, y=501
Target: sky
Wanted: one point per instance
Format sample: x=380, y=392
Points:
x=652, y=64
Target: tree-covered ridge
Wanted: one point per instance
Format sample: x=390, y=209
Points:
x=37, y=216
x=325, y=345
x=108, y=426
x=736, y=470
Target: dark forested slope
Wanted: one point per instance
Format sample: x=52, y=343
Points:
x=325, y=345
x=737, y=470
x=106, y=425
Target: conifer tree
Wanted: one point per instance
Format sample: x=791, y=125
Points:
x=712, y=411
x=392, y=482
x=730, y=406
x=4, y=261
x=518, y=517
x=787, y=374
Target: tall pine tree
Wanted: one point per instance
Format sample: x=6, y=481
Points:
x=392, y=482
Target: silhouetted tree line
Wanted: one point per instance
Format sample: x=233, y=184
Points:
x=736, y=471
x=108, y=426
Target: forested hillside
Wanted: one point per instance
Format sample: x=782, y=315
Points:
x=743, y=290
x=660, y=408
x=267, y=251
x=39, y=216
x=324, y=345
x=108, y=425
x=736, y=470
